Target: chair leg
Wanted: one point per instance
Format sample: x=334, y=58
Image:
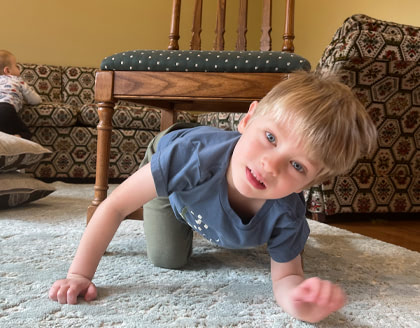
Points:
x=105, y=111
x=321, y=217
x=168, y=118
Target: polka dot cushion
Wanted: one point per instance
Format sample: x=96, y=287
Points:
x=206, y=61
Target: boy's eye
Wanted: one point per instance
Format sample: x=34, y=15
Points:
x=297, y=166
x=270, y=137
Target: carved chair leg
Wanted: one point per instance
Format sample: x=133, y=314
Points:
x=105, y=111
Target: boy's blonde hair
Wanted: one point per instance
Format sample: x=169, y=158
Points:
x=324, y=114
x=5, y=60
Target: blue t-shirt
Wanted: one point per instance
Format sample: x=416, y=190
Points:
x=190, y=167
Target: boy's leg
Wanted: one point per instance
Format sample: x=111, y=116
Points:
x=169, y=241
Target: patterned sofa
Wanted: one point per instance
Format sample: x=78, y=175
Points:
x=379, y=60
x=66, y=123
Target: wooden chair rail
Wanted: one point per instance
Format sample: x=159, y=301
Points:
x=241, y=42
x=176, y=85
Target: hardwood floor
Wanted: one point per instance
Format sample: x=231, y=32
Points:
x=404, y=233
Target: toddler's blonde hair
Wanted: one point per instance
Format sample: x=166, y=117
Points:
x=324, y=114
x=5, y=59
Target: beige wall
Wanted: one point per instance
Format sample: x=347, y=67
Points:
x=82, y=32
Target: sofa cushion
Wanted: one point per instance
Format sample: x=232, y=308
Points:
x=225, y=121
x=74, y=152
x=49, y=114
x=18, y=153
x=133, y=116
x=78, y=85
x=206, y=61
x=128, y=115
x=45, y=79
x=18, y=189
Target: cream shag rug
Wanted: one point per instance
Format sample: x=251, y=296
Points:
x=219, y=288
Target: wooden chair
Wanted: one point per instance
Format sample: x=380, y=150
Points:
x=175, y=80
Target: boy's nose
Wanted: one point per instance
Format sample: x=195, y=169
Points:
x=271, y=164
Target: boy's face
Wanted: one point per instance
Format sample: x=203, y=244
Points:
x=12, y=68
x=268, y=162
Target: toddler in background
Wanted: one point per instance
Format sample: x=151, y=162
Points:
x=13, y=93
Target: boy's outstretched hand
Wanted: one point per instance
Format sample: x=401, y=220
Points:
x=317, y=298
x=67, y=290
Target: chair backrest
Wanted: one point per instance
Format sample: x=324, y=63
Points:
x=241, y=41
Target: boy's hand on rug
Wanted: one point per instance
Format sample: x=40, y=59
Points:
x=318, y=298
x=67, y=290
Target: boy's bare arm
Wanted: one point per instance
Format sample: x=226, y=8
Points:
x=309, y=300
x=129, y=196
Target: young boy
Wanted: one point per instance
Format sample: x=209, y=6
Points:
x=238, y=189
x=13, y=92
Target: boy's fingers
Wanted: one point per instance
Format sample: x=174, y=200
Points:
x=91, y=292
x=325, y=293
x=313, y=287
x=72, y=294
x=338, y=298
x=52, y=294
x=308, y=290
x=67, y=291
x=62, y=295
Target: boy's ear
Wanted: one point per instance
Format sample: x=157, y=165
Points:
x=244, y=122
x=6, y=70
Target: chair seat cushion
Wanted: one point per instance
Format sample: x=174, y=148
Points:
x=206, y=61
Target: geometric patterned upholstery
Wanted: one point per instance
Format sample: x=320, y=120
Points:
x=225, y=121
x=78, y=85
x=363, y=36
x=126, y=116
x=45, y=79
x=61, y=85
x=65, y=122
x=380, y=62
x=74, y=151
x=49, y=114
x=364, y=22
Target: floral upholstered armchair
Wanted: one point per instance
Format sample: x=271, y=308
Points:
x=380, y=61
